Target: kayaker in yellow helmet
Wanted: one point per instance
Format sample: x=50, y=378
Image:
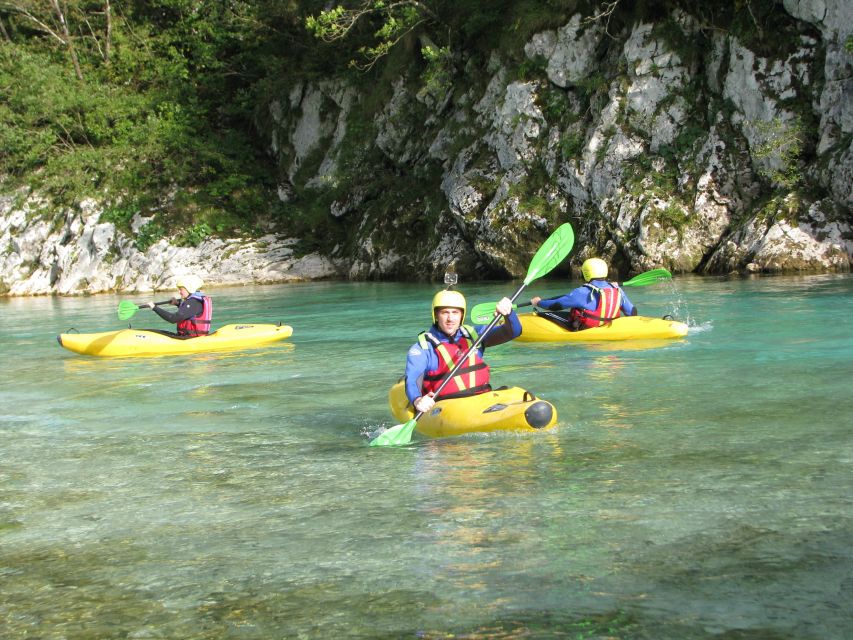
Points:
x=593, y=304
x=195, y=310
x=444, y=343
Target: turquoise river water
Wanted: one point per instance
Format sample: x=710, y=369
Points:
x=701, y=488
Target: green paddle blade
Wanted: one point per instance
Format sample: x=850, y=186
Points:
x=395, y=436
x=551, y=253
x=648, y=277
x=485, y=311
x=126, y=310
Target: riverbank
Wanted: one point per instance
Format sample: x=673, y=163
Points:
x=78, y=254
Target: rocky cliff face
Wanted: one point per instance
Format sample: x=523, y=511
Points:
x=79, y=254
x=666, y=144
x=660, y=150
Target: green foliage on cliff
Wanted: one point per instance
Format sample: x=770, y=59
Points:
x=145, y=104
x=153, y=106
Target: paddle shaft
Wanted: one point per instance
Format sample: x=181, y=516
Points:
x=629, y=283
x=156, y=304
x=449, y=376
x=127, y=309
x=144, y=305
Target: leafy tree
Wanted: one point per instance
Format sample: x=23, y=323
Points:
x=395, y=20
x=141, y=99
x=51, y=20
x=781, y=147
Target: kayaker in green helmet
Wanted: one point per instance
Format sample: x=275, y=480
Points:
x=440, y=347
x=593, y=304
x=195, y=310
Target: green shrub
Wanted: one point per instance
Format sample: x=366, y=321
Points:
x=148, y=235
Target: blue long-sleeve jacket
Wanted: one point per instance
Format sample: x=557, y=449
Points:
x=585, y=298
x=420, y=360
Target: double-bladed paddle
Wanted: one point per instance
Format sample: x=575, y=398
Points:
x=127, y=309
x=481, y=313
x=550, y=254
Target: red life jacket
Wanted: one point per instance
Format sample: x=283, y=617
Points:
x=609, y=307
x=200, y=324
x=470, y=379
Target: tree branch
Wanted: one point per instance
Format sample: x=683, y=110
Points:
x=4, y=32
x=335, y=24
x=38, y=24
x=383, y=49
x=754, y=21
x=609, y=8
x=399, y=18
x=95, y=38
x=108, y=36
x=68, y=40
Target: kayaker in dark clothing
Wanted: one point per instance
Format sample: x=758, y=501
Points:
x=440, y=347
x=195, y=310
x=593, y=304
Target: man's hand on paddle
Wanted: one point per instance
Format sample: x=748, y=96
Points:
x=504, y=307
x=425, y=403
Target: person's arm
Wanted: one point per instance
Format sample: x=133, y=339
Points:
x=417, y=361
x=551, y=304
x=578, y=298
x=510, y=329
x=190, y=308
x=627, y=307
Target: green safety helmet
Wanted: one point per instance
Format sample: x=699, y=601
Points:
x=447, y=298
x=594, y=268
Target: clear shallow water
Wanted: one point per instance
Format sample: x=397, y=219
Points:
x=697, y=489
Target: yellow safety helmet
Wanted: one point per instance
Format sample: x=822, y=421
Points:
x=594, y=268
x=448, y=298
x=190, y=283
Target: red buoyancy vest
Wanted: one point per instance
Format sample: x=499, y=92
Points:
x=470, y=379
x=609, y=307
x=200, y=324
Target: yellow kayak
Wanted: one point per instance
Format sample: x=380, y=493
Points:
x=504, y=409
x=144, y=342
x=535, y=328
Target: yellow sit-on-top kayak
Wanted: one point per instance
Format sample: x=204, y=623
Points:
x=535, y=328
x=504, y=409
x=145, y=342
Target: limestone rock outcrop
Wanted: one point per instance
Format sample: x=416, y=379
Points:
x=667, y=144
